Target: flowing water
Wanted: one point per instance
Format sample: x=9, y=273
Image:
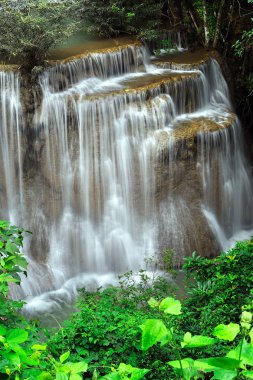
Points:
x=128, y=157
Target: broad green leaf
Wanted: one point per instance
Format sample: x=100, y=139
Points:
x=153, y=303
x=125, y=368
x=168, y=337
x=170, y=306
x=153, y=331
x=18, y=349
x=226, y=332
x=223, y=368
x=61, y=376
x=112, y=376
x=64, y=356
x=11, y=248
x=2, y=330
x=79, y=367
x=248, y=374
x=14, y=359
x=246, y=353
x=45, y=376
x=20, y=261
x=251, y=336
x=16, y=336
x=139, y=373
x=187, y=337
x=224, y=374
x=136, y=373
x=186, y=363
x=4, y=277
x=39, y=347
x=75, y=377
x=197, y=341
x=189, y=372
x=32, y=362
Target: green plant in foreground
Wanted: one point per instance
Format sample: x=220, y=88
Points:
x=105, y=330
x=124, y=372
x=22, y=355
x=236, y=363
x=20, y=360
x=12, y=265
x=217, y=288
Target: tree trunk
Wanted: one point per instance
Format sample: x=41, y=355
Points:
x=206, y=29
x=218, y=24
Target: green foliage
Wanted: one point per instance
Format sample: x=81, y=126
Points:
x=226, y=332
x=220, y=288
x=113, y=17
x=22, y=355
x=167, y=47
x=30, y=28
x=12, y=264
x=234, y=364
x=245, y=43
x=117, y=325
x=126, y=371
x=241, y=47
x=105, y=329
x=23, y=360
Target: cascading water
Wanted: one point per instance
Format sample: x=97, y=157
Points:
x=130, y=158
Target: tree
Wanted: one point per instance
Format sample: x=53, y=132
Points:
x=218, y=24
x=113, y=17
x=206, y=27
x=28, y=28
x=244, y=49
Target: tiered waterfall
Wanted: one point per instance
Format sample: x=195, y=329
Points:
x=129, y=156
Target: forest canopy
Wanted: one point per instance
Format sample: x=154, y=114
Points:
x=28, y=28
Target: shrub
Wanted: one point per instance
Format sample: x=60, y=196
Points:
x=234, y=364
x=218, y=287
x=105, y=329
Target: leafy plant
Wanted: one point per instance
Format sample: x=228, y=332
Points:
x=105, y=328
x=105, y=332
x=246, y=40
x=126, y=371
x=12, y=265
x=22, y=355
x=236, y=362
x=218, y=287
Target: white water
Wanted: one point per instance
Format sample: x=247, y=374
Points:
x=112, y=183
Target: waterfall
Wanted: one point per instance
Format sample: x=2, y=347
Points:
x=12, y=145
x=131, y=158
